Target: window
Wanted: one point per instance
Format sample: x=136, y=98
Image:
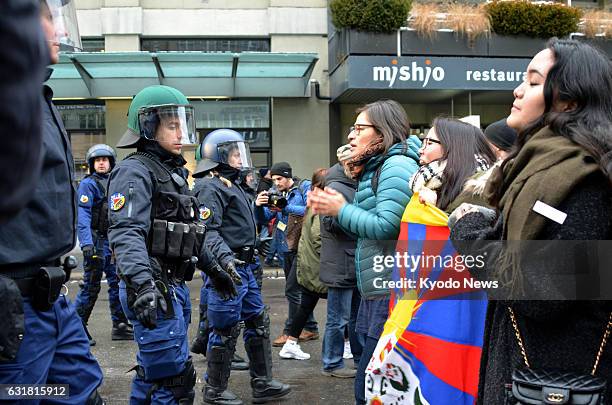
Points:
x=206, y=44
x=249, y=117
x=86, y=125
x=93, y=44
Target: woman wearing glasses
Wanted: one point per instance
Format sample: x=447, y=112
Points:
x=452, y=152
x=383, y=161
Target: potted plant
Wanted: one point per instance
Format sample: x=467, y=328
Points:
x=369, y=26
x=458, y=29
x=521, y=28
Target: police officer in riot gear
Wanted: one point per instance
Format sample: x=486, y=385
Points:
x=42, y=340
x=92, y=230
x=228, y=214
x=156, y=237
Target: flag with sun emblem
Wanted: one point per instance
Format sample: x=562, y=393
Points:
x=429, y=351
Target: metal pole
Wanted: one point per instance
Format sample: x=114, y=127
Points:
x=452, y=107
x=470, y=103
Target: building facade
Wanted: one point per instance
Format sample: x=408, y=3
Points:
x=279, y=124
x=250, y=65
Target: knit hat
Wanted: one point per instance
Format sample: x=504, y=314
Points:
x=281, y=169
x=344, y=152
x=263, y=172
x=501, y=135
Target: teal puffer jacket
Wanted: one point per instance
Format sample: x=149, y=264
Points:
x=376, y=218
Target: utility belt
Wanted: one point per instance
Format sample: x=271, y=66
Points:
x=174, y=272
x=246, y=254
x=166, y=275
x=41, y=282
x=175, y=240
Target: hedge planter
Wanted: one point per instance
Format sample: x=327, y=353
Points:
x=515, y=46
x=371, y=43
x=604, y=44
x=442, y=44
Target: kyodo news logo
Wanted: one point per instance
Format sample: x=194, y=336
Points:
x=414, y=72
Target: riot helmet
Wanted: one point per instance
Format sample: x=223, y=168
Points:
x=100, y=150
x=222, y=147
x=162, y=114
x=63, y=14
x=249, y=177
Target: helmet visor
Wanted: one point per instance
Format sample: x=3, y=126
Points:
x=170, y=124
x=64, y=17
x=235, y=154
x=249, y=177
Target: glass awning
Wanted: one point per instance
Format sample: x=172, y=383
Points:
x=196, y=74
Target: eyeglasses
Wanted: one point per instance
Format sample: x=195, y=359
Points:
x=429, y=141
x=357, y=128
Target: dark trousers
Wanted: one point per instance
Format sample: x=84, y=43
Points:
x=368, y=349
x=293, y=292
x=304, y=312
x=54, y=350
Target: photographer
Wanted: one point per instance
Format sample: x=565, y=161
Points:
x=287, y=206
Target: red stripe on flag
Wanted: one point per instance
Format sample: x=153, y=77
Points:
x=455, y=364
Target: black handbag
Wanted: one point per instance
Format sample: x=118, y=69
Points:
x=535, y=387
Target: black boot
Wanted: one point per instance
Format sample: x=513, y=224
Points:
x=218, y=373
x=265, y=388
x=199, y=345
x=238, y=363
x=122, y=331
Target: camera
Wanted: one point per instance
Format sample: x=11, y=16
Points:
x=276, y=200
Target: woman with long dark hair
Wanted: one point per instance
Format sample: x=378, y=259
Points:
x=556, y=185
x=383, y=158
x=451, y=153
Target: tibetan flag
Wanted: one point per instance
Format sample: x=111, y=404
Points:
x=429, y=351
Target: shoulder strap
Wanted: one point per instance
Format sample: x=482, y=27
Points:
x=602, y=345
x=101, y=185
x=157, y=170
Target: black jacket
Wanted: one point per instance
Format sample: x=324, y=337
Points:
x=24, y=55
x=45, y=229
x=337, y=246
x=132, y=196
x=227, y=211
x=561, y=335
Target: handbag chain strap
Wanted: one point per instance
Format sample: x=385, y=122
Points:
x=604, y=340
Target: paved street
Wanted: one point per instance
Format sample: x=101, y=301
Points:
x=309, y=386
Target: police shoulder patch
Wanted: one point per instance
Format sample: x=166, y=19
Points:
x=117, y=201
x=84, y=199
x=205, y=213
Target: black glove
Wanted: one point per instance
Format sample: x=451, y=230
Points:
x=230, y=268
x=88, y=252
x=221, y=282
x=145, y=306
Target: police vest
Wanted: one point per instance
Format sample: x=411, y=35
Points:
x=99, y=211
x=176, y=232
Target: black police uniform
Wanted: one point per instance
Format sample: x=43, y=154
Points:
x=24, y=55
x=153, y=218
x=227, y=212
x=55, y=348
x=137, y=187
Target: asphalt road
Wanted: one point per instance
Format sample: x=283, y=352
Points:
x=309, y=386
